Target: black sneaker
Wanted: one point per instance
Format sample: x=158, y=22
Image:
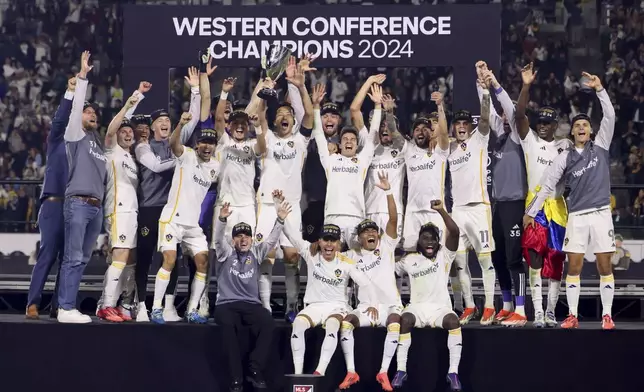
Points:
x=237, y=386
x=256, y=379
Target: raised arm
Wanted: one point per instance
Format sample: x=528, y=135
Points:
x=144, y=87
x=392, y=223
x=145, y=156
x=294, y=89
x=175, y=138
x=484, y=121
x=195, y=101
x=222, y=246
x=318, y=133
x=74, y=130
x=61, y=117
x=283, y=210
x=356, y=105
x=220, y=112
x=442, y=131
x=547, y=185
x=523, y=125
x=300, y=97
x=452, y=232
x=607, y=125
x=205, y=70
x=115, y=124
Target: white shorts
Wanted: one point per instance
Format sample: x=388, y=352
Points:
x=192, y=239
x=244, y=214
x=414, y=220
x=383, y=313
x=121, y=229
x=475, y=224
x=347, y=225
x=429, y=315
x=318, y=313
x=591, y=232
x=266, y=216
x=381, y=219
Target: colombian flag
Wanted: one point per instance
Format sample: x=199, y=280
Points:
x=553, y=216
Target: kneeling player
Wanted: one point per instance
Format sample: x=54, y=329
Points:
x=376, y=259
x=430, y=304
x=325, y=299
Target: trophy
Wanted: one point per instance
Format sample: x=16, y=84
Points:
x=274, y=65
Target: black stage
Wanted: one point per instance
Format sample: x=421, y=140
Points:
x=46, y=356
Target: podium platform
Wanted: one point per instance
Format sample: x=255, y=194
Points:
x=47, y=356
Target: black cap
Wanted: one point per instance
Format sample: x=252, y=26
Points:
x=547, y=114
x=92, y=105
x=158, y=113
x=330, y=107
x=207, y=135
x=239, y=115
x=140, y=119
x=242, y=228
x=430, y=228
x=580, y=116
x=330, y=231
x=421, y=121
x=367, y=224
x=463, y=115
x=126, y=123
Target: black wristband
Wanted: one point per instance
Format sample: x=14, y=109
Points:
x=280, y=220
x=222, y=219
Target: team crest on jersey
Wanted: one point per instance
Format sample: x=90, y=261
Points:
x=309, y=229
x=566, y=241
x=354, y=160
x=290, y=144
x=463, y=146
x=376, y=252
x=246, y=149
x=338, y=273
x=212, y=173
x=248, y=260
x=429, y=154
x=394, y=153
x=168, y=237
x=145, y=231
x=259, y=236
x=122, y=238
x=559, y=150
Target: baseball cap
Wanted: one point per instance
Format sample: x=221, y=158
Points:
x=421, y=121
x=330, y=231
x=239, y=115
x=126, y=123
x=207, y=135
x=367, y=224
x=242, y=228
x=330, y=107
x=463, y=115
x=547, y=114
x=140, y=119
x=92, y=105
x=158, y=114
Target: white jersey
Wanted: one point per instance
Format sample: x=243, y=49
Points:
x=237, y=171
x=345, y=176
x=468, y=167
x=190, y=183
x=539, y=155
x=425, y=176
x=380, y=266
x=282, y=167
x=428, y=278
x=122, y=182
x=390, y=160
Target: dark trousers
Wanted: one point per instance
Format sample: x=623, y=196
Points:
x=231, y=317
x=312, y=221
x=507, y=228
x=52, y=242
x=146, y=250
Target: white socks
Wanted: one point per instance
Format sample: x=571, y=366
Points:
x=292, y=283
x=553, y=294
x=111, y=288
x=607, y=291
x=329, y=344
x=265, y=282
x=455, y=346
x=198, y=286
x=298, y=346
x=404, y=342
x=465, y=278
x=347, y=343
x=573, y=288
x=536, y=285
x=391, y=343
x=457, y=292
x=489, y=278
x=160, y=286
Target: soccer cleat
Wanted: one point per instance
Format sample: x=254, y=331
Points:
x=399, y=379
x=316, y=373
x=515, y=320
x=350, y=379
x=383, y=380
x=551, y=320
x=195, y=318
x=468, y=314
x=109, y=314
x=157, y=316
x=204, y=306
x=170, y=315
x=502, y=315
x=290, y=316
x=454, y=382
x=488, y=316
x=257, y=380
x=237, y=386
x=570, y=322
x=124, y=313
x=539, y=321
x=607, y=322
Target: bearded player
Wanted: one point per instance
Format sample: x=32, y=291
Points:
x=585, y=168
x=430, y=304
x=375, y=258
x=472, y=212
x=346, y=171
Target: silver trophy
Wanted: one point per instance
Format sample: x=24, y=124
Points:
x=274, y=65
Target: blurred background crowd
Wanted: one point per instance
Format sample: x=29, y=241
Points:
x=40, y=41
